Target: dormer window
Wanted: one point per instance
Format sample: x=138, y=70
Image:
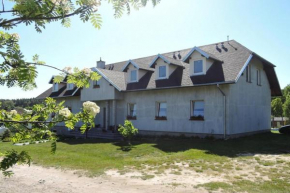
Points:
x=133, y=76
x=69, y=86
x=198, y=67
x=162, y=72
x=55, y=87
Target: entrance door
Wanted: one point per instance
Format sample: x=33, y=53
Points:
x=104, y=118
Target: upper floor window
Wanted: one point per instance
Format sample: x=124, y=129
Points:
x=55, y=87
x=162, y=72
x=259, y=77
x=161, y=111
x=248, y=73
x=133, y=76
x=198, y=67
x=197, y=110
x=132, y=113
x=69, y=86
x=96, y=83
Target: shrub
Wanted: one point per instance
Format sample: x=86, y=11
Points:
x=128, y=131
x=6, y=135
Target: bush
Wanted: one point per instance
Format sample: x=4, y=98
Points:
x=6, y=135
x=128, y=131
x=285, y=130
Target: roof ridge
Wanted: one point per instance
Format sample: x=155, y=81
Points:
x=172, y=52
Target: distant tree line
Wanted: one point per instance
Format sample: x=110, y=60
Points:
x=18, y=104
x=281, y=105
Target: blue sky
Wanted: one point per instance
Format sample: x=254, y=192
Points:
x=261, y=25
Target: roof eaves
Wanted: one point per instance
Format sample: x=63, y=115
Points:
x=261, y=58
x=195, y=49
x=172, y=87
x=130, y=62
x=244, y=67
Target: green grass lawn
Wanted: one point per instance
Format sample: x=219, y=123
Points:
x=95, y=156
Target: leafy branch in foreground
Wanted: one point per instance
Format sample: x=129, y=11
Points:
x=35, y=125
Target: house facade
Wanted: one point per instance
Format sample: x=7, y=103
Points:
x=221, y=90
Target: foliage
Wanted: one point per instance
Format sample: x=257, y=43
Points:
x=11, y=158
x=286, y=107
x=16, y=71
x=277, y=107
x=35, y=124
x=24, y=103
x=128, y=130
x=7, y=105
x=6, y=135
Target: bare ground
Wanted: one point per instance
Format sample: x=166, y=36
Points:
x=177, y=177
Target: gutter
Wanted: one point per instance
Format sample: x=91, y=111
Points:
x=225, y=109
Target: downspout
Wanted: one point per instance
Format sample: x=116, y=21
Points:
x=225, y=110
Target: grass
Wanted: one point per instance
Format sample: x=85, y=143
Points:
x=94, y=156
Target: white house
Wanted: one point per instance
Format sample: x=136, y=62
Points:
x=222, y=89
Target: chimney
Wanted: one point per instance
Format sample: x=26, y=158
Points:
x=101, y=64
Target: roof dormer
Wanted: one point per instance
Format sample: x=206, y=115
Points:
x=199, y=61
x=164, y=66
x=134, y=71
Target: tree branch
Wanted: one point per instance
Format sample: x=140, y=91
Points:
x=35, y=18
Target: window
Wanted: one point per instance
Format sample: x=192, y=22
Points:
x=198, y=67
x=131, y=111
x=248, y=73
x=197, y=110
x=133, y=76
x=70, y=86
x=55, y=87
x=258, y=77
x=162, y=72
x=161, y=109
x=96, y=83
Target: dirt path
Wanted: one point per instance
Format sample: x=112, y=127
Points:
x=180, y=177
x=36, y=179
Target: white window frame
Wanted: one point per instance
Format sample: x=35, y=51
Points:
x=158, y=108
x=55, y=87
x=70, y=86
x=130, y=75
x=203, y=67
x=192, y=107
x=129, y=110
x=259, y=77
x=165, y=77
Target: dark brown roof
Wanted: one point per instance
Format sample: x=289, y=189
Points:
x=62, y=92
x=230, y=58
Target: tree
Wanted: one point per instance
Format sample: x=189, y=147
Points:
x=128, y=131
x=286, y=107
x=277, y=107
x=15, y=71
x=7, y=105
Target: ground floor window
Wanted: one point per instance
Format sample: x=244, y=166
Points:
x=161, y=111
x=197, y=110
x=132, y=112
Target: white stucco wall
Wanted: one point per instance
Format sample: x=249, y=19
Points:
x=104, y=92
x=250, y=104
x=178, y=109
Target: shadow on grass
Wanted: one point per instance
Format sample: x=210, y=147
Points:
x=266, y=143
